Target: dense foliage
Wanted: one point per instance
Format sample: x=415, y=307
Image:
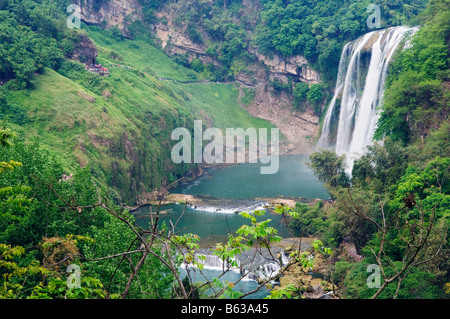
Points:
x=318, y=29
x=41, y=232
x=388, y=187
x=395, y=207
x=33, y=36
x=417, y=97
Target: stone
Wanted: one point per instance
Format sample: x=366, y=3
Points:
x=314, y=292
x=110, y=13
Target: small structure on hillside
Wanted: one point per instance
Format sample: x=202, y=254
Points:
x=99, y=69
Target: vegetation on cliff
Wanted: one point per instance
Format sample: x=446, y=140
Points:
x=113, y=134
x=395, y=207
x=118, y=125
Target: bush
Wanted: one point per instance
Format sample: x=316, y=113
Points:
x=311, y=221
x=315, y=94
x=197, y=65
x=301, y=91
x=278, y=86
x=194, y=34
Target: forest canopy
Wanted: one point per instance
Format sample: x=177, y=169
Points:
x=392, y=210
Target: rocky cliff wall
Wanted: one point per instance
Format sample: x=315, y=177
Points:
x=174, y=41
x=299, y=129
x=295, y=66
x=110, y=13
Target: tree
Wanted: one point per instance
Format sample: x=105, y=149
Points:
x=415, y=99
x=381, y=166
x=315, y=94
x=412, y=229
x=171, y=250
x=300, y=94
x=412, y=106
x=328, y=167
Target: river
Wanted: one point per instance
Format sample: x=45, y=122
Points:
x=236, y=188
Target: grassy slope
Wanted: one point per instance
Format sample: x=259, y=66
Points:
x=216, y=101
x=61, y=116
x=125, y=138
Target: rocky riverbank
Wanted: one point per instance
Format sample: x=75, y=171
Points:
x=190, y=200
x=309, y=283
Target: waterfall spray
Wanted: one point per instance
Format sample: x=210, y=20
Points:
x=360, y=89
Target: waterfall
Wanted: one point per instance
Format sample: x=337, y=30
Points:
x=359, y=89
x=252, y=264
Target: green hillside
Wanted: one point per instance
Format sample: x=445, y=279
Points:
x=121, y=125
x=217, y=101
x=383, y=232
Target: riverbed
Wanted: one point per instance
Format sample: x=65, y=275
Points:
x=226, y=191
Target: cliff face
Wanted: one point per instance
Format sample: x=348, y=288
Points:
x=299, y=129
x=176, y=42
x=296, y=67
x=110, y=13
x=85, y=51
x=118, y=13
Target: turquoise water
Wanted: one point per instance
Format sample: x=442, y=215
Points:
x=243, y=181
x=210, y=226
x=235, y=189
x=226, y=191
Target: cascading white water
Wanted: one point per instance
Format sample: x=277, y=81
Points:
x=360, y=90
x=251, y=265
